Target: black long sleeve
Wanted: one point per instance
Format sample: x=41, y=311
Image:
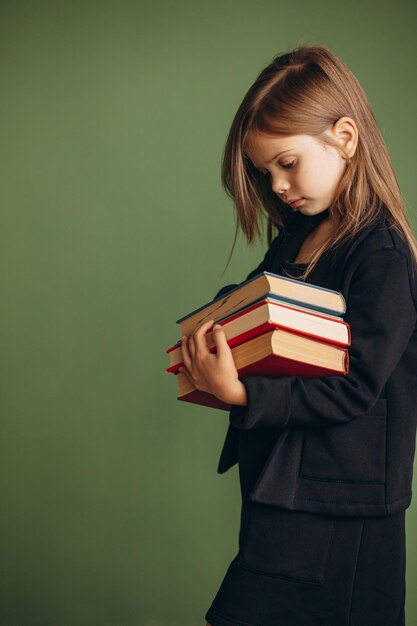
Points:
x=381, y=313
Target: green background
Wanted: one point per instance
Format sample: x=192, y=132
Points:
x=113, y=225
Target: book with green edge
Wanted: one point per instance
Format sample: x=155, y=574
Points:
x=266, y=284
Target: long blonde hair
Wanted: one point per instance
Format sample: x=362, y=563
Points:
x=305, y=91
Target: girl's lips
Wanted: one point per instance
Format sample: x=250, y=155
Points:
x=296, y=203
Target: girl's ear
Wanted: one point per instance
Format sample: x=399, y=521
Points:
x=346, y=133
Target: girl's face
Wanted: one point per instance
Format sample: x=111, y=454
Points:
x=298, y=166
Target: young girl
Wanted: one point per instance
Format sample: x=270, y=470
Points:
x=325, y=464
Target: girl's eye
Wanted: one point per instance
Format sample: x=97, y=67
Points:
x=287, y=166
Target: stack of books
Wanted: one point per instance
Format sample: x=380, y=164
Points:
x=275, y=326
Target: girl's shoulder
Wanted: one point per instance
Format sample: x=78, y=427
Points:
x=382, y=233
x=379, y=235
x=371, y=243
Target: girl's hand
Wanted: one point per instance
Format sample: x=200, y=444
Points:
x=213, y=373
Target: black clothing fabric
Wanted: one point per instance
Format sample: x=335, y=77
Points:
x=307, y=569
x=344, y=445
x=299, y=567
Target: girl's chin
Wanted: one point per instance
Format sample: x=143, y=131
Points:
x=305, y=208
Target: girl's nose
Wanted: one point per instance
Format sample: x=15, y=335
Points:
x=279, y=185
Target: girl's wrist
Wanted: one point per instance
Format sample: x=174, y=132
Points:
x=236, y=394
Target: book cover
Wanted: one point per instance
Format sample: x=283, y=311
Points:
x=266, y=284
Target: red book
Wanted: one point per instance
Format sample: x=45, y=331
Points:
x=275, y=353
x=269, y=314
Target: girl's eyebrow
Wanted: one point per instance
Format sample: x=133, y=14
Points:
x=276, y=156
x=279, y=154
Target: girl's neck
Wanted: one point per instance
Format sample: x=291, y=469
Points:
x=324, y=229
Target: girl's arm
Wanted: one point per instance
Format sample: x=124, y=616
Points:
x=382, y=316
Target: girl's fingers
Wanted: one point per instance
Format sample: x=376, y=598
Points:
x=185, y=371
x=188, y=351
x=191, y=346
x=185, y=352
x=194, y=344
x=220, y=340
x=199, y=340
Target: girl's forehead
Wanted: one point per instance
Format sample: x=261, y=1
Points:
x=258, y=145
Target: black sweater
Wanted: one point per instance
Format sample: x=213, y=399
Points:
x=344, y=445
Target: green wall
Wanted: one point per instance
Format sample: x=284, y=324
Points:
x=113, y=225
